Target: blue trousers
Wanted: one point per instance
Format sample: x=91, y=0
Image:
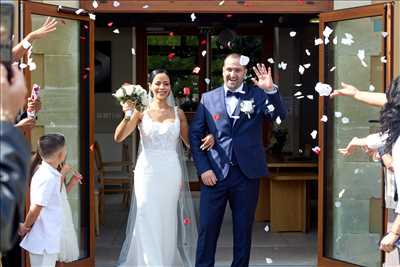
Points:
x=242, y=195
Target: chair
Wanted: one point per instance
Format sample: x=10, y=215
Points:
x=121, y=180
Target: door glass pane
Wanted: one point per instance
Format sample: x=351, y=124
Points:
x=179, y=54
x=61, y=60
x=353, y=185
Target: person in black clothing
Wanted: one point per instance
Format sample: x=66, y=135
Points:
x=14, y=158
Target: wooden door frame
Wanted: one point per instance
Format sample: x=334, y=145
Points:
x=385, y=11
x=30, y=8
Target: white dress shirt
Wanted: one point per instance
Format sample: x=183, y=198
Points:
x=44, y=237
x=231, y=101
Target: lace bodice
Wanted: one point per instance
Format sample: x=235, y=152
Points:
x=161, y=136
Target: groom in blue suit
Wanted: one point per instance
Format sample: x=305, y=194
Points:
x=230, y=171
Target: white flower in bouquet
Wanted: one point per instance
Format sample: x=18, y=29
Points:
x=134, y=93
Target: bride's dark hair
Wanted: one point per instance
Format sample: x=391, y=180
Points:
x=155, y=72
x=390, y=115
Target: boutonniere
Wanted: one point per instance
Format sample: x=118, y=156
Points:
x=247, y=107
x=216, y=117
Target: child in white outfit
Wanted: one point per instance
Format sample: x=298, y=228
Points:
x=43, y=224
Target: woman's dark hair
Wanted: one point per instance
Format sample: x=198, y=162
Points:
x=47, y=145
x=390, y=115
x=155, y=72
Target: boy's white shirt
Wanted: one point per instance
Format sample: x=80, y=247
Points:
x=45, y=234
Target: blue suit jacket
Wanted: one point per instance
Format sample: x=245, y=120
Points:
x=244, y=137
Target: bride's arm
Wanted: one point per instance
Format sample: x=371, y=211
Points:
x=208, y=141
x=184, y=127
x=127, y=126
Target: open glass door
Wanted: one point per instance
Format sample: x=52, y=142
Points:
x=351, y=213
x=64, y=70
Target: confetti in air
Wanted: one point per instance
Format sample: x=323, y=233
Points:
x=314, y=134
x=244, y=60
x=371, y=88
x=193, y=17
x=282, y=65
x=323, y=89
x=95, y=4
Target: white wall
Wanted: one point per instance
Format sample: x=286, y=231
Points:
x=107, y=111
x=340, y=4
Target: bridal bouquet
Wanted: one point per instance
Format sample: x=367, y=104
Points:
x=134, y=93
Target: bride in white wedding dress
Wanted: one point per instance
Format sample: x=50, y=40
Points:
x=161, y=229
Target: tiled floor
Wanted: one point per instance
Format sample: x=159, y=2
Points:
x=283, y=249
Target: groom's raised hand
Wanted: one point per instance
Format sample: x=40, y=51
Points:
x=209, y=178
x=264, y=77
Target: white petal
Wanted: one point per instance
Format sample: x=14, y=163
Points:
x=308, y=52
x=323, y=89
x=384, y=34
x=307, y=66
x=383, y=59
x=271, y=60
x=133, y=51
x=261, y=21
x=316, y=149
x=32, y=66
x=341, y=193
x=318, y=41
x=292, y=34
x=300, y=97
x=298, y=84
x=271, y=108
x=338, y=114
x=207, y=80
x=95, y=4
x=345, y=120
x=268, y=260
x=266, y=229
x=116, y=31
x=298, y=93
x=326, y=40
x=327, y=32
x=116, y=4
x=371, y=88
x=314, y=134
x=324, y=118
x=196, y=70
x=361, y=54
x=364, y=64
x=335, y=40
x=278, y=120
x=301, y=69
x=221, y=3
x=79, y=11
x=311, y=97
x=203, y=53
x=282, y=65
x=146, y=6
x=338, y=204
x=92, y=16
x=244, y=60
x=193, y=17
x=333, y=68
x=23, y=66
